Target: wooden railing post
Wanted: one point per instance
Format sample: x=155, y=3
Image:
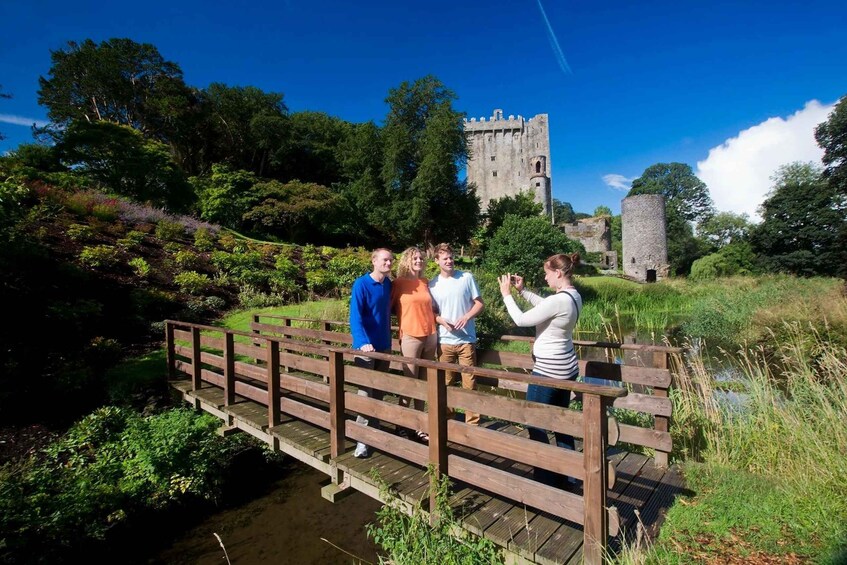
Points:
x=273, y=383
x=258, y=334
x=437, y=398
x=661, y=423
x=229, y=369
x=196, y=366
x=171, y=349
x=336, y=403
x=595, y=428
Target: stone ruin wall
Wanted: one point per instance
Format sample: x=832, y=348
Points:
x=595, y=234
x=508, y=156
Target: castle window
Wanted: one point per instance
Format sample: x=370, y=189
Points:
x=633, y=260
x=538, y=167
x=493, y=157
x=494, y=173
x=538, y=184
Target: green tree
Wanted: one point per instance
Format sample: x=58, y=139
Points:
x=423, y=147
x=685, y=195
x=118, y=81
x=602, y=211
x=733, y=259
x=724, y=228
x=123, y=160
x=314, y=153
x=687, y=201
x=522, y=244
x=522, y=204
x=225, y=195
x=295, y=209
x=245, y=127
x=563, y=212
x=803, y=222
x=831, y=135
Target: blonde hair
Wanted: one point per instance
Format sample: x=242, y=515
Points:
x=377, y=250
x=404, y=266
x=562, y=262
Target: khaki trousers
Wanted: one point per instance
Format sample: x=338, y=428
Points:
x=419, y=348
x=464, y=354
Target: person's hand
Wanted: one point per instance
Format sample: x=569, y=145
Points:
x=505, y=284
x=367, y=347
x=461, y=322
x=518, y=282
x=444, y=323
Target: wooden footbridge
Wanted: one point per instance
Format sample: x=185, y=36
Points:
x=290, y=382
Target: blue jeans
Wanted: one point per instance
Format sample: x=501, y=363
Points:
x=553, y=397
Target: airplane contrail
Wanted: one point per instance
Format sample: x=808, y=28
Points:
x=554, y=43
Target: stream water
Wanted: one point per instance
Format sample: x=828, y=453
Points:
x=291, y=523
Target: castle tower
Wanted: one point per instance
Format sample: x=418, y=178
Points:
x=645, y=243
x=507, y=156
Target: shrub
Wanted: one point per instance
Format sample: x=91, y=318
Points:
x=192, y=282
x=251, y=297
x=286, y=267
x=522, y=244
x=227, y=241
x=106, y=210
x=203, y=240
x=347, y=267
x=214, y=302
x=172, y=247
x=319, y=281
x=80, y=203
x=99, y=257
x=132, y=239
x=140, y=267
x=80, y=231
x=169, y=231
x=186, y=259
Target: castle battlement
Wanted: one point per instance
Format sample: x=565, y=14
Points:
x=508, y=155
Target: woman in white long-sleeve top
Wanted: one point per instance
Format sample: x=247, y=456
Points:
x=554, y=318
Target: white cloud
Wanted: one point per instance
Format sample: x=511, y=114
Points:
x=738, y=172
x=618, y=182
x=21, y=120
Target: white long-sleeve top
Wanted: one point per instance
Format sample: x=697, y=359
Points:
x=554, y=318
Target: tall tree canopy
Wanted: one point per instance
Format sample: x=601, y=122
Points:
x=724, y=228
x=423, y=147
x=685, y=194
x=803, y=222
x=832, y=137
x=118, y=80
x=687, y=200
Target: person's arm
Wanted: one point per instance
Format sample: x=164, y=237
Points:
x=536, y=315
x=475, y=309
x=531, y=297
x=357, y=327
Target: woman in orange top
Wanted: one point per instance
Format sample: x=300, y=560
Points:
x=412, y=304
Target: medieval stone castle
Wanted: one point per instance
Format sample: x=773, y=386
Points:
x=509, y=155
x=512, y=155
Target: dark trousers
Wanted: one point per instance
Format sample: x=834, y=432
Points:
x=553, y=397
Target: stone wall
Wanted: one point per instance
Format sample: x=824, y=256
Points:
x=595, y=234
x=645, y=244
x=509, y=155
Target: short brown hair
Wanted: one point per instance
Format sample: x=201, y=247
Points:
x=377, y=250
x=562, y=262
x=442, y=248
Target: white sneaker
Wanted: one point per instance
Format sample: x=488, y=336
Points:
x=361, y=451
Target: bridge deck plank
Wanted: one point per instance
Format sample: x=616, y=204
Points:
x=534, y=536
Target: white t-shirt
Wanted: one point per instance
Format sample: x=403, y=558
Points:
x=454, y=296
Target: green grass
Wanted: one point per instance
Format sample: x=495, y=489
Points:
x=136, y=375
x=336, y=310
x=737, y=514
x=772, y=471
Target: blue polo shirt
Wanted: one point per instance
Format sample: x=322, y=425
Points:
x=370, y=313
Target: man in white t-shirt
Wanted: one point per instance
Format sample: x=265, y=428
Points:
x=458, y=300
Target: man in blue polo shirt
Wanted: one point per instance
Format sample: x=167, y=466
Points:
x=370, y=324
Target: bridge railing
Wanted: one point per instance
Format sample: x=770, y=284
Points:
x=228, y=359
x=644, y=369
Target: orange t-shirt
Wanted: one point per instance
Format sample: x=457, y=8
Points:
x=412, y=303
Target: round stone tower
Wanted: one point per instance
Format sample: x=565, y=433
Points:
x=539, y=181
x=645, y=243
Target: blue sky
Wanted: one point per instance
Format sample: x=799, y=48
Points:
x=731, y=88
